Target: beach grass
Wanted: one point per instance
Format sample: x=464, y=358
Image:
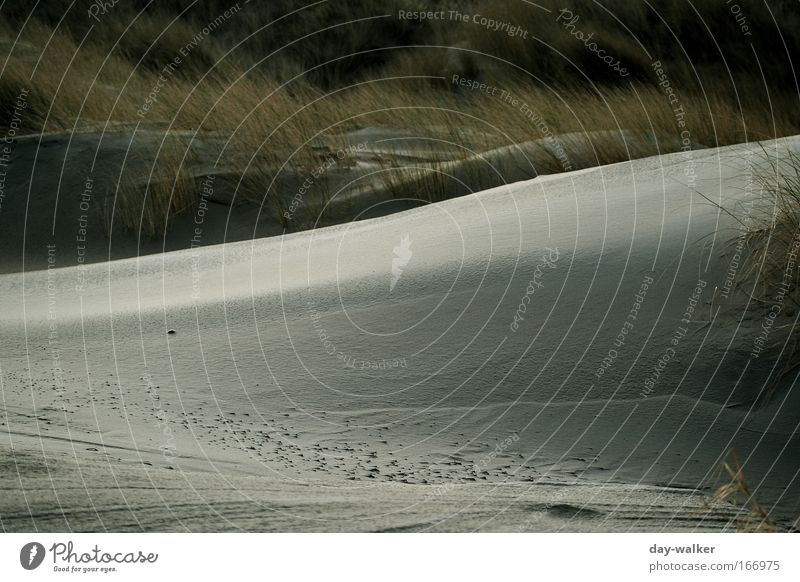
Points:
x=271, y=97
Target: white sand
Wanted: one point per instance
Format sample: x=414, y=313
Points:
x=458, y=420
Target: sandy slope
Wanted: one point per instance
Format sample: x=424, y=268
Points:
x=315, y=389
x=63, y=188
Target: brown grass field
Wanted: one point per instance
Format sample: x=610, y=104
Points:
x=274, y=84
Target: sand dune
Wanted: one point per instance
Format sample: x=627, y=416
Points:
x=465, y=365
x=95, y=189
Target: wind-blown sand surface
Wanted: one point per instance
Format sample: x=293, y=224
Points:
x=372, y=376
x=70, y=188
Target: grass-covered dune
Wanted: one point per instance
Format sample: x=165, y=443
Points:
x=264, y=94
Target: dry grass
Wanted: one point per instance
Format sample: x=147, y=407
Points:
x=774, y=237
x=769, y=241
x=272, y=131
x=146, y=206
x=751, y=516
